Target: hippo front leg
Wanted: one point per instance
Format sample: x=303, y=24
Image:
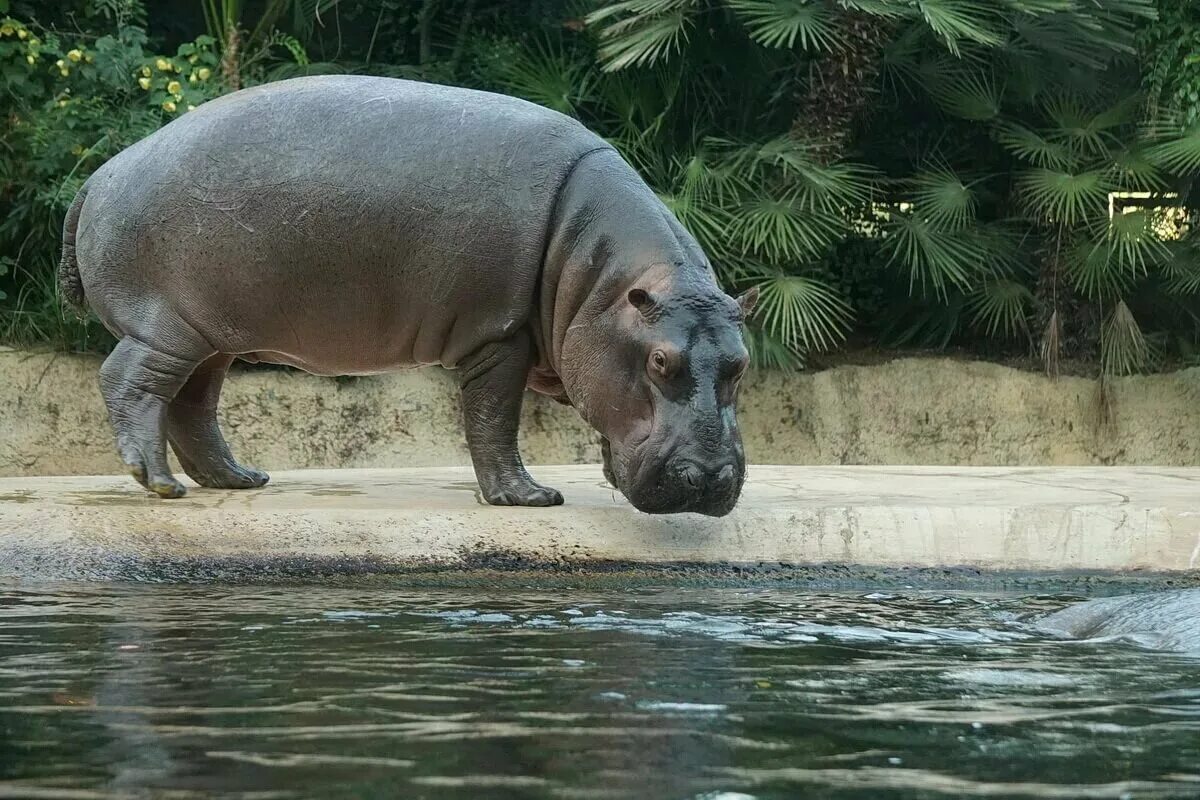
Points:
x=493, y=385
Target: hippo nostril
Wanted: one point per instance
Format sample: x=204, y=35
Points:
x=724, y=479
x=693, y=476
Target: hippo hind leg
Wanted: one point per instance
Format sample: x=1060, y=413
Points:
x=138, y=382
x=195, y=435
x=493, y=385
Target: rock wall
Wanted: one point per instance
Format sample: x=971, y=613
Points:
x=908, y=411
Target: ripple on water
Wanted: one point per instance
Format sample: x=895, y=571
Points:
x=693, y=694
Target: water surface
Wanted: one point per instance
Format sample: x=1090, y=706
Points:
x=720, y=694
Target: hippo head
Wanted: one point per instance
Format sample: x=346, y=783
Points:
x=657, y=374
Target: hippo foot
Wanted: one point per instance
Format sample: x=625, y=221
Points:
x=165, y=486
x=525, y=493
x=244, y=478
x=226, y=476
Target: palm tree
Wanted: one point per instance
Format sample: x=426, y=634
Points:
x=992, y=153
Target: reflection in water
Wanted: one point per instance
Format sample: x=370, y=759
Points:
x=682, y=693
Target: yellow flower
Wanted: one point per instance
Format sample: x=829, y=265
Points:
x=146, y=73
x=144, y=83
x=163, y=65
x=77, y=150
x=193, y=78
x=169, y=105
x=21, y=34
x=31, y=59
x=62, y=103
x=204, y=73
x=89, y=58
x=34, y=42
x=177, y=97
x=6, y=30
x=75, y=55
x=192, y=58
x=60, y=63
x=191, y=107
x=64, y=72
x=174, y=88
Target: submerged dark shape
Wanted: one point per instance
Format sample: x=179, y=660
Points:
x=354, y=225
x=1163, y=620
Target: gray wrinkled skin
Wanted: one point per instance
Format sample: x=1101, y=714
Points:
x=1162, y=620
x=353, y=225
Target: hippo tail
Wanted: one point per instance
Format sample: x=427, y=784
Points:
x=70, y=284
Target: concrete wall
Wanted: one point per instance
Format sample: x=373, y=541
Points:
x=908, y=411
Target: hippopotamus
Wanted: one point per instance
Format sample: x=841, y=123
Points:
x=351, y=225
x=1162, y=620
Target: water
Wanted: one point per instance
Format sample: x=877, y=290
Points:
x=720, y=694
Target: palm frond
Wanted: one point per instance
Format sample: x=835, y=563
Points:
x=1088, y=132
x=1094, y=272
x=935, y=257
x=769, y=352
x=1132, y=168
x=1031, y=146
x=803, y=313
x=1001, y=307
x=1175, y=150
x=641, y=32
x=967, y=94
x=1133, y=242
x=708, y=222
x=955, y=21
x=1181, y=272
x=544, y=73
x=942, y=197
x=818, y=186
x=783, y=23
x=1067, y=197
x=1123, y=347
x=782, y=230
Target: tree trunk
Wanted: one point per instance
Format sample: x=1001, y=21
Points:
x=842, y=82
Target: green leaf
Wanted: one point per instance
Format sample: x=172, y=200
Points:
x=942, y=197
x=1133, y=241
x=1001, y=307
x=769, y=352
x=543, y=73
x=803, y=313
x=1030, y=146
x=641, y=32
x=958, y=20
x=1066, y=197
x=1089, y=133
x=1133, y=168
x=783, y=23
x=1177, y=152
x=967, y=94
x=784, y=230
x=935, y=257
x=1182, y=270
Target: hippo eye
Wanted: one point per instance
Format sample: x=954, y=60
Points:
x=662, y=363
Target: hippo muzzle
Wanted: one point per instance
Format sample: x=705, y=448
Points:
x=660, y=478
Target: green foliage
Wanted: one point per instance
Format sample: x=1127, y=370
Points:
x=75, y=100
x=1024, y=176
x=1009, y=176
x=1171, y=55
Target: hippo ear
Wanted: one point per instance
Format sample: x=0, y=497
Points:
x=642, y=300
x=747, y=300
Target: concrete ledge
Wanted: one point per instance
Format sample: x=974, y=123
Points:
x=1090, y=519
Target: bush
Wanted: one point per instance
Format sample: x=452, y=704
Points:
x=76, y=100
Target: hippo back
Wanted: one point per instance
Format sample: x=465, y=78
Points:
x=344, y=224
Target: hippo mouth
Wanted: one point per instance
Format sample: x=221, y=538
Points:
x=673, y=486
